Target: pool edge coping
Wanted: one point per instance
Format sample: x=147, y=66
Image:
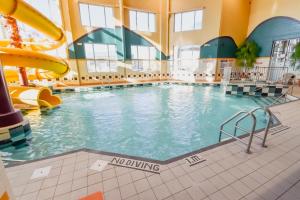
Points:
x=161, y=162
x=164, y=162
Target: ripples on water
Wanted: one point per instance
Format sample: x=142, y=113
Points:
x=153, y=122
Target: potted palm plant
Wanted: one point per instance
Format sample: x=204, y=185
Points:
x=295, y=57
x=246, y=55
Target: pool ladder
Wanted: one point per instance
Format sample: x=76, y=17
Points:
x=243, y=115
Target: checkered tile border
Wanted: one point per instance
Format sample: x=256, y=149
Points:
x=256, y=90
x=109, y=87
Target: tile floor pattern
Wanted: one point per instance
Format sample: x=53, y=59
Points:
x=227, y=174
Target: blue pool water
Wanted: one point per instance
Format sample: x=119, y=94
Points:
x=156, y=122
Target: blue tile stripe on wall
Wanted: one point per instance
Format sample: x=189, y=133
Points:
x=276, y=28
x=112, y=36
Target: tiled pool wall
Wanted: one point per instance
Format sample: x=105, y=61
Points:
x=119, y=86
x=256, y=90
x=231, y=89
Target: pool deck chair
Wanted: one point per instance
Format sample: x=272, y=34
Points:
x=94, y=196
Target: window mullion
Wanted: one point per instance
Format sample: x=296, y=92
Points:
x=194, y=20
x=90, y=22
x=181, y=22
x=148, y=23
x=94, y=56
x=104, y=16
x=136, y=24
x=108, y=57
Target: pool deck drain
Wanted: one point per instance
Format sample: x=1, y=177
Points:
x=227, y=172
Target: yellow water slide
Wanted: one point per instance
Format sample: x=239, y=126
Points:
x=29, y=98
x=28, y=56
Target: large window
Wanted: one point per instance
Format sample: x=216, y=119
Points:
x=186, y=57
x=99, y=66
x=49, y=8
x=100, y=51
x=142, y=21
x=3, y=31
x=143, y=52
x=100, y=57
x=187, y=52
x=282, y=51
x=96, y=16
x=187, y=21
x=142, y=57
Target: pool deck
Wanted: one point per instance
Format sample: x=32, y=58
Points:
x=296, y=91
x=222, y=173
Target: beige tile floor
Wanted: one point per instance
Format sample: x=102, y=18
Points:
x=296, y=91
x=227, y=174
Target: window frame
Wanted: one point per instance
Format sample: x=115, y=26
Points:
x=194, y=22
x=148, y=21
x=89, y=15
x=53, y=13
x=109, y=60
x=137, y=50
x=138, y=63
x=179, y=63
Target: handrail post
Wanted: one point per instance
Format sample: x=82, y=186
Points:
x=254, y=120
x=227, y=121
x=238, y=121
x=267, y=127
x=235, y=130
x=252, y=133
x=220, y=134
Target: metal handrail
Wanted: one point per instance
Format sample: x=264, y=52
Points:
x=251, y=133
x=266, y=110
x=282, y=95
x=12, y=160
x=234, y=136
x=227, y=121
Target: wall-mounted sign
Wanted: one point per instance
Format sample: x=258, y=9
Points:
x=136, y=164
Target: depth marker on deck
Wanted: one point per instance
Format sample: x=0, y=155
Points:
x=136, y=164
x=194, y=160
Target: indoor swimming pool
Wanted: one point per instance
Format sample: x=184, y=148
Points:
x=154, y=122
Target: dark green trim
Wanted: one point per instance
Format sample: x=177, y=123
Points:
x=112, y=36
x=220, y=47
x=275, y=28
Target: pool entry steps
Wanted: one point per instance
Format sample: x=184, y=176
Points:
x=240, y=116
